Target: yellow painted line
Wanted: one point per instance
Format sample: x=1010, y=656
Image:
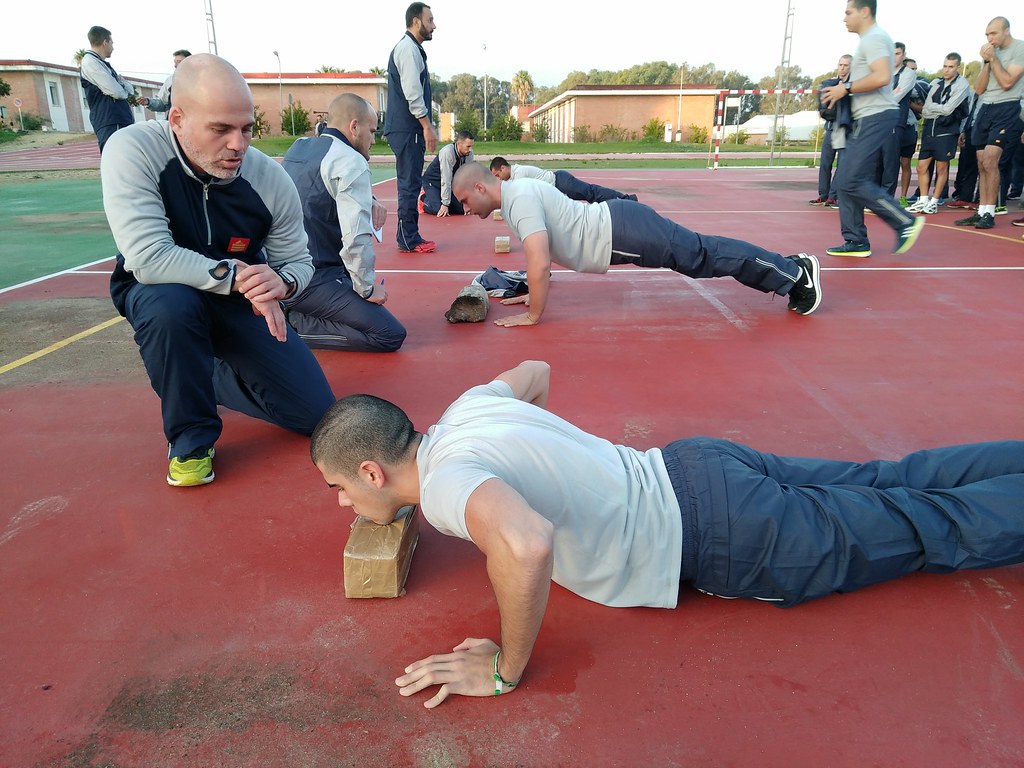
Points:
x=974, y=231
x=59, y=345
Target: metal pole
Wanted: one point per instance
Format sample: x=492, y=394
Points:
x=280, y=91
x=783, y=81
x=485, y=90
x=679, y=110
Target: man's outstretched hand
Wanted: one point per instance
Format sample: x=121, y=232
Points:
x=468, y=671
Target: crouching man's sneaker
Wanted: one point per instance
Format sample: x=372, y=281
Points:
x=194, y=469
x=805, y=295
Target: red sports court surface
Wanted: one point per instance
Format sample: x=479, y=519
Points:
x=151, y=626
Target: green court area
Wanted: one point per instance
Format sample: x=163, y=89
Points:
x=50, y=225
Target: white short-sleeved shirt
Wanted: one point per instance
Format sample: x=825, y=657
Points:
x=579, y=234
x=532, y=172
x=618, y=530
x=874, y=44
x=1010, y=56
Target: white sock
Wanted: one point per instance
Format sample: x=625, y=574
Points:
x=983, y=209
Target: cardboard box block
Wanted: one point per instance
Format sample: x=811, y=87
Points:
x=377, y=557
x=497, y=215
x=502, y=244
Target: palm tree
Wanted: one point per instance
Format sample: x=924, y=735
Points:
x=379, y=71
x=79, y=55
x=326, y=68
x=522, y=86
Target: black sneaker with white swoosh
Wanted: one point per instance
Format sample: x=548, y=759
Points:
x=805, y=295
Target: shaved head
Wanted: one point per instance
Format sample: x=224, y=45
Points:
x=346, y=108
x=477, y=190
x=206, y=79
x=470, y=174
x=356, y=119
x=212, y=115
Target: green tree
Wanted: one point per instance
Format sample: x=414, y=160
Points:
x=505, y=128
x=79, y=55
x=791, y=78
x=541, y=131
x=522, y=86
x=295, y=120
x=327, y=68
x=382, y=72
x=5, y=88
x=469, y=121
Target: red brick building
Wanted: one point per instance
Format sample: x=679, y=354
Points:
x=314, y=90
x=626, y=107
x=54, y=93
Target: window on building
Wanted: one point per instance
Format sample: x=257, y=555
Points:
x=54, y=93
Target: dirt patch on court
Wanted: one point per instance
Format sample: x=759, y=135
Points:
x=25, y=177
x=37, y=139
x=32, y=326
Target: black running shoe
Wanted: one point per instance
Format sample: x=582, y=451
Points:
x=805, y=295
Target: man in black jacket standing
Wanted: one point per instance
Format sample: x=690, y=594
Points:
x=829, y=153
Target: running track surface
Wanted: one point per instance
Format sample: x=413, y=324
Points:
x=153, y=626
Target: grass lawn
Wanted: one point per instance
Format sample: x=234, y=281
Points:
x=275, y=146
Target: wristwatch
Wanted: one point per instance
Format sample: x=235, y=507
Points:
x=289, y=283
x=848, y=85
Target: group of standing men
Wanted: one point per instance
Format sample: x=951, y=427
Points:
x=871, y=111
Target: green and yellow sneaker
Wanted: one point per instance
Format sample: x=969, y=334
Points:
x=194, y=469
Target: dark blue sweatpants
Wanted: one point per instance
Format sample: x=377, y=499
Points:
x=329, y=314
x=432, y=201
x=201, y=349
x=788, y=529
x=577, y=189
x=642, y=237
x=826, y=179
x=855, y=181
x=409, y=149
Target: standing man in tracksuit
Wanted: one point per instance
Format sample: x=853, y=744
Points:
x=407, y=124
x=875, y=114
x=944, y=113
x=106, y=92
x=830, y=154
x=902, y=88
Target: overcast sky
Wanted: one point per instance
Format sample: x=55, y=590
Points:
x=548, y=38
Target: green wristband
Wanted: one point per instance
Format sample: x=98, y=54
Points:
x=501, y=686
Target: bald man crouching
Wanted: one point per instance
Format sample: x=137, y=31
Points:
x=342, y=307
x=210, y=241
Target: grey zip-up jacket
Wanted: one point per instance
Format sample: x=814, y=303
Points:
x=173, y=226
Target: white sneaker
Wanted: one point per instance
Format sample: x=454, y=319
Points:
x=919, y=206
x=931, y=207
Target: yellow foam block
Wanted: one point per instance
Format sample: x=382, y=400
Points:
x=502, y=245
x=497, y=215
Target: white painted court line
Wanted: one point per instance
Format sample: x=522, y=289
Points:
x=68, y=271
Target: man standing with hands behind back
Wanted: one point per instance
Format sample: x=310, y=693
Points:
x=875, y=114
x=407, y=124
